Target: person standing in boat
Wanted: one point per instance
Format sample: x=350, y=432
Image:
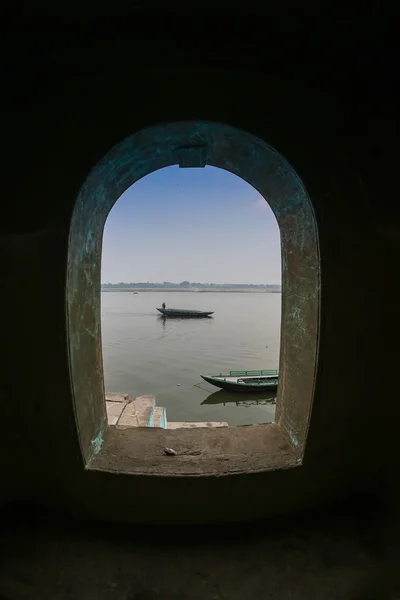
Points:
x=163, y=305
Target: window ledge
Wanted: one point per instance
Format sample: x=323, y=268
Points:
x=200, y=452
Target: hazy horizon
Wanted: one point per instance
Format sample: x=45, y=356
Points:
x=225, y=283
x=198, y=225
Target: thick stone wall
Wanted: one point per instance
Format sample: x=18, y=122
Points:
x=67, y=108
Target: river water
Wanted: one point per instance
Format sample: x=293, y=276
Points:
x=145, y=353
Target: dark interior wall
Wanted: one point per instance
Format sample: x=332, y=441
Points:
x=340, y=556
x=76, y=94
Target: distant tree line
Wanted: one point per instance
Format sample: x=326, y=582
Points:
x=188, y=284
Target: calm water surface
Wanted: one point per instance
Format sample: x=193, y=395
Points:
x=145, y=353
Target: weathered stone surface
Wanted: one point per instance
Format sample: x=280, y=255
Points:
x=114, y=411
x=137, y=412
x=256, y=161
x=158, y=416
x=117, y=397
x=129, y=418
x=200, y=450
x=196, y=424
x=143, y=406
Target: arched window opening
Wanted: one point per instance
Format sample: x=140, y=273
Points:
x=208, y=226
x=191, y=145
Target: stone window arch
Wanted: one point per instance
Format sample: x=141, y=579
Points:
x=196, y=144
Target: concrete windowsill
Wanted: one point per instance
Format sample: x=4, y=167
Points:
x=200, y=452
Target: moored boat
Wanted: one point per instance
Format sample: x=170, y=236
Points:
x=181, y=312
x=245, y=381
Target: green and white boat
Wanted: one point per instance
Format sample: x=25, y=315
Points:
x=245, y=381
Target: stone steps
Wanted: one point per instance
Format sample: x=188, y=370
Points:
x=128, y=418
x=196, y=424
x=144, y=406
x=158, y=416
x=114, y=411
x=137, y=413
x=123, y=412
x=117, y=397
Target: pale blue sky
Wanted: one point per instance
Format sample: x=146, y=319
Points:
x=204, y=225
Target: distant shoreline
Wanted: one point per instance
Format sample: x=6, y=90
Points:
x=205, y=290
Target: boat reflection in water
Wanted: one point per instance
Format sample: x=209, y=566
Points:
x=162, y=319
x=249, y=399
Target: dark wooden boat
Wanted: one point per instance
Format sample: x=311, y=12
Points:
x=245, y=381
x=181, y=312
